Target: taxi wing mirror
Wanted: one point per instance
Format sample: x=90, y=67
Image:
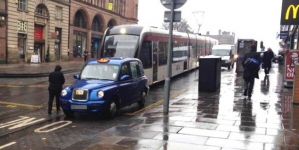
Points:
x=77, y=76
x=124, y=77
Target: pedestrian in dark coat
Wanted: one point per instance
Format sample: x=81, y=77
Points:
x=56, y=80
x=249, y=75
x=85, y=55
x=267, y=60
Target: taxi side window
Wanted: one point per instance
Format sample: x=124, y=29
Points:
x=141, y=68
x=125, y=69
x=135, y=70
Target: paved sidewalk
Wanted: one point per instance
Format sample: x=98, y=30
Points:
x=37, y=70
x=223, y=120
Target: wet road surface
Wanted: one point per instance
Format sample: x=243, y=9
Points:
x=220, y=120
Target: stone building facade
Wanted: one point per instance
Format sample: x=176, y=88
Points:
x=89, y=20
x=35, y=27
x=224, y=37
x=3, y=31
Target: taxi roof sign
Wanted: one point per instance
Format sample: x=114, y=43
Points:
x=103, y=60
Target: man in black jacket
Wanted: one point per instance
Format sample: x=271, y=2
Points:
x=267, y=60
x=249, y=75
x=56, y=80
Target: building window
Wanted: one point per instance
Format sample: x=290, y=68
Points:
x=96, y=24
x=79, y=20
x=41, y=10
x=22, y=4
x=58, y=14
x=2, y=4
x=102, y=3
x=22, y=45
x=22, y=26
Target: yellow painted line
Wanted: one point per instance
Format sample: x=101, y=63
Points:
x=10, y=104
x=159, y=102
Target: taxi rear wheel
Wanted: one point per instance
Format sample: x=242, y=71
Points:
x=141, y=103
x=111, y=110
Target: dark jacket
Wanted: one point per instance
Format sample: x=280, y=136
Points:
x=249, y=74
x=267, y=58
x=56, y=79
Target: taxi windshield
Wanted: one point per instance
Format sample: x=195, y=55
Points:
x=120, y=45
x=100, y=72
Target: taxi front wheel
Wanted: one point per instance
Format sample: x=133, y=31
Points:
x=68, y=113
x=111, y=111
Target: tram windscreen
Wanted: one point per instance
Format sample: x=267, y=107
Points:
x=120, y=45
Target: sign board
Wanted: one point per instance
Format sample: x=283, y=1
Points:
x=34, y=59
x=291, y=59
x=38, y=32
x=177, y=16
x=110, y=6
x=53, y=35
x=289, y=12
x=177, y=3
x=283, y=34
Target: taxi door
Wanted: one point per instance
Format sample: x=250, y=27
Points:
x=137, y=85
x=126, y=86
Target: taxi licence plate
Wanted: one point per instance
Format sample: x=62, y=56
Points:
x=78, y=106
x=79, y=92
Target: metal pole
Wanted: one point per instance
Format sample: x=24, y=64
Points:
x=169, y=63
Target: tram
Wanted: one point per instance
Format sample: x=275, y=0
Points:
x=150, y=45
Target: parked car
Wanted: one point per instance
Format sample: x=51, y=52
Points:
x=277, y=58
x=104, y=86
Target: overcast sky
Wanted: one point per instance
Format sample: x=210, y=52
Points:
x=249, y=19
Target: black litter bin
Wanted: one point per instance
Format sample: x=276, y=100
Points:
x=209, y=76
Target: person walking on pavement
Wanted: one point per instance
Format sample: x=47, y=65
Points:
x=56, y=80
x=85, y=55
x=250, y=73
x=267, y=60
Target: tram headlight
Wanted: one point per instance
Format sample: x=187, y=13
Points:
x=63, y=92
x=100, y=94
x=236, y=56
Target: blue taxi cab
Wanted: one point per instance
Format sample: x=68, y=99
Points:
x=104, y=86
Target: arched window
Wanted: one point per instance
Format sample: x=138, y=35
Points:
x=41, y=10
x=79, y=20
x=111, y=23
x=96, y=26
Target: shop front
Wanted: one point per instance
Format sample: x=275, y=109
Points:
x=95, y=44
x=79, y=43
x=39, y=42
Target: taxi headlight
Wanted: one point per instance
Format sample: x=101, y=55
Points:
x=63, y=92
x=100, y=94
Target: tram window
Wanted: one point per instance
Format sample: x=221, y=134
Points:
x=163, y=53
x=146, y=54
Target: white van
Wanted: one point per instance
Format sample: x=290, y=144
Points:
x=227, y=54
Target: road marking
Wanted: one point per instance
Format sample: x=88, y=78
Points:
x=38, y=130
x=159, y=102
x=31, y=86
x=11, y=104
x=8, y=144
x=22, y=121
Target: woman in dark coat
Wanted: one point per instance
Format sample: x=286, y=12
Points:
x=267, y=60
x=56, y=80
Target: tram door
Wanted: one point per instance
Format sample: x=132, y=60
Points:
x=155, y=61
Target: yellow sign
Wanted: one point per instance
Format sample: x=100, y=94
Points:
x=110, y=6
x=295, y=10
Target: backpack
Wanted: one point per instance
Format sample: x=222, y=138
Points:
x=251, y=64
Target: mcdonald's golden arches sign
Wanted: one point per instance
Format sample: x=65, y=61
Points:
x=290, y=12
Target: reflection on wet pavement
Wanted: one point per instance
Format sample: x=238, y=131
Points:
x=223, y=120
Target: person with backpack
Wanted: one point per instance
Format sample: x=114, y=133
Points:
x=251, y=65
